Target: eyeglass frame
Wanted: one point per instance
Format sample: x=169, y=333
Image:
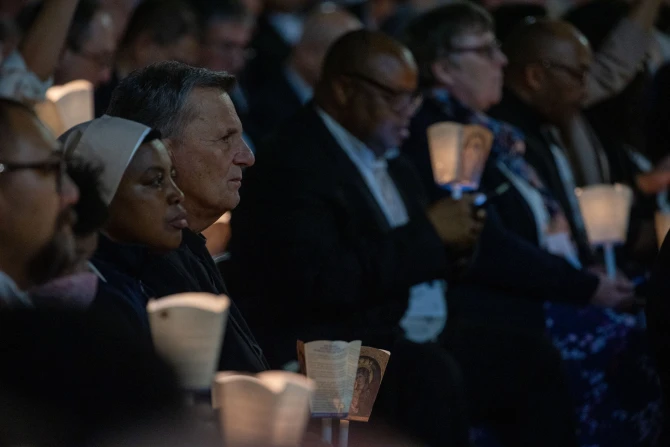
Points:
x=415, y=97
x=488, y=50
x=59, y=166
x=575, y=73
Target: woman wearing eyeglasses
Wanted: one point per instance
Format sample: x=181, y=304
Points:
x=146, y=216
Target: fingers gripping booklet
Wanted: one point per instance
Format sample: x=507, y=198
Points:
x=187, y=330
x=347, y=376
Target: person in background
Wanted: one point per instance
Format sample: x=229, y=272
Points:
x=120, y=11
x=192, y=109
x=27, y=71
x=146, y=215
x=345, y=248
x=36, y=205
x=545, y=87
x=159, y=30
x=89, y=47
x=79, y=285
x=228, y=29
x=284, y=93
x=278, y=29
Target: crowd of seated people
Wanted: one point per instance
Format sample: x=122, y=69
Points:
x=306, y=125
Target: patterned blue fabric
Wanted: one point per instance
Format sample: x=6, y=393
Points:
x=508, y=144
x=614, y=385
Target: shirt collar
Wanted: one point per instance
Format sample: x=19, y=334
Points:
x=300, y=87
x=355, y=146
x=10, y=294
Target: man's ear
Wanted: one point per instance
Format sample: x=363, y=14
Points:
x=342, y=92
x=534, y=76
x=442, y=72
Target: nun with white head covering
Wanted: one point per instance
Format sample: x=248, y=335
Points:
x=145, y=212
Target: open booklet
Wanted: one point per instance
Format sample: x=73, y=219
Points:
x=347, y=376
x=187, y=330
x=267, y=409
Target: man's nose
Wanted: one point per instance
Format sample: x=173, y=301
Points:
x=244, y=156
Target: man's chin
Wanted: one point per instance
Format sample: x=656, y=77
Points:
x=57, y=258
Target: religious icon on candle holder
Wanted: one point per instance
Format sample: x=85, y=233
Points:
x=458, y=154
x=371, y=367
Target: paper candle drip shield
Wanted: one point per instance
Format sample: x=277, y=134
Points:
x=268, y=409
x=66, y=106
x=187, y=330
x=662, y=226
x=458, y=153
x=606, y=212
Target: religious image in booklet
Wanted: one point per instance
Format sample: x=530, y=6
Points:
x=371, y=368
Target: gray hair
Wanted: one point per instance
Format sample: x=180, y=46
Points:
x=157, y=95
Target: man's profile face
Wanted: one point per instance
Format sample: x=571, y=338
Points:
x=36, y=215
x=210, y=154
x=93, y=61
x=566, y=68
x=382, y=101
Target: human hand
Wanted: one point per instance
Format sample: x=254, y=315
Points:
x=457, y=223
x=617, y=293
x=653, y=182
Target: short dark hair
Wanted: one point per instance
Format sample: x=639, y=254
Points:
x=430, y=35
x=91, y=209
x=157, y=95
x=166, y=21
x=8, y=134
x=79, y=28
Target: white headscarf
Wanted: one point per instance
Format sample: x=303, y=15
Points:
x=109, y=141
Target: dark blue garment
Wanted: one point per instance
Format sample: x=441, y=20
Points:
x=121, y=266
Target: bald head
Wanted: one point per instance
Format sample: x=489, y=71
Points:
x=370, y=53
x=369, y=85
x=323, y=27
x=549, y=61
x=539, y=40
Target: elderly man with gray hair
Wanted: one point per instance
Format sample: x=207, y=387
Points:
x=192, y=109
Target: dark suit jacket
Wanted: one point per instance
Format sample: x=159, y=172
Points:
x=271, y=53
x=658, y=329
x=191, y=269
x=312, y=255
x=272, y=104
x=538, y=153
x=509, y=264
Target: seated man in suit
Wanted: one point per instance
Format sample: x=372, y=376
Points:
x=292, y=85
x=333, y=242
x=193, y=111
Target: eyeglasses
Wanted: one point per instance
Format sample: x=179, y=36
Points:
x=577, y=74
x=489, y=50
x=58, y=166
x=398, y=100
